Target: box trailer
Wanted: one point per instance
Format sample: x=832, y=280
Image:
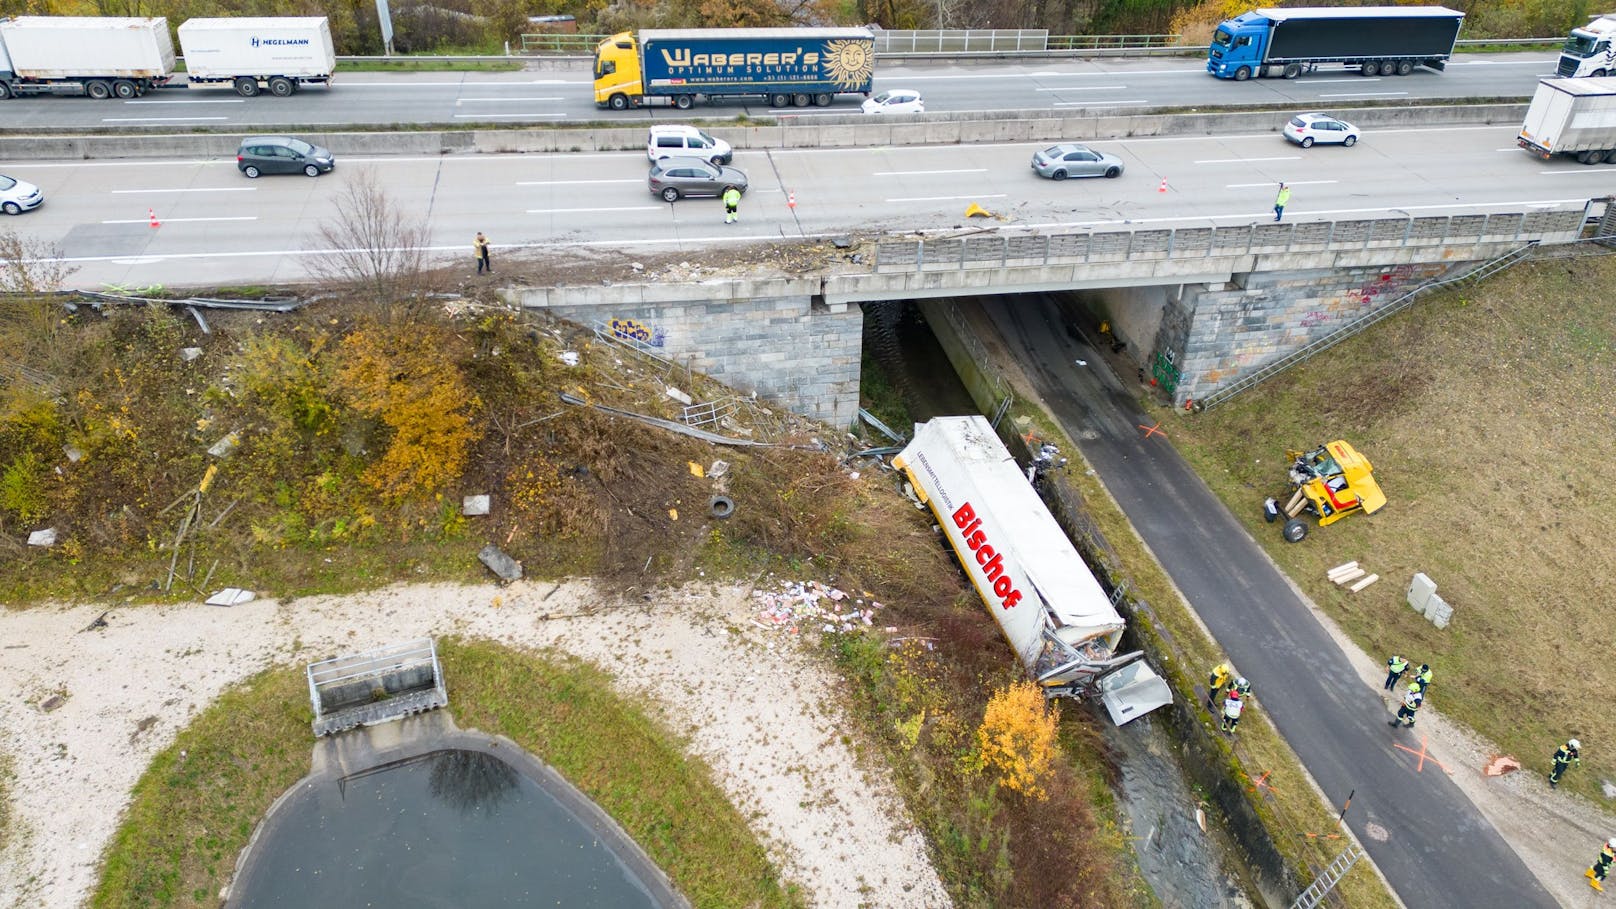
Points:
x=98, y=56
x=1056, y=616
x=1572, y=117
x=1375, y=40
x=277, y=53
x=1589, y=50
x=781, y=66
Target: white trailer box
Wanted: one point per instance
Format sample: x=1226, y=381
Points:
x=1057, y=618
x=81, y=47
x=280, y=52
x=1572, y=117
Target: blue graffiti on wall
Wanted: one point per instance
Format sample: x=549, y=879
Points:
x=635, y=330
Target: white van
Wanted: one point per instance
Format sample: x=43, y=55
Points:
x=686, y=142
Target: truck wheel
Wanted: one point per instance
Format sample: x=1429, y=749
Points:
x=1404, y=67
x=1242, y=74
x=125, y=89
x=800, y=100
x=1292, y=70
x=820, y=100
x=246, y=87
x=1369, y=69
x=683, y=102
x=281, y=87
x=1295, y=530
x=779, y=100
x=98, y=90
x=5, y=91
x=1598, y=73
x=1388, y=68
x=618, y=102
x=669, y=194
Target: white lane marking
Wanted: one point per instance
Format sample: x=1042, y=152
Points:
x=1098, y=103
x=195, y=101
x=1364, y=95
x=805, y=112
x=1358, y=79
x=916, y=173
x=157, y=119
x=894, y=80
x=507, y=116
x=1079, y=88
x=518, y=98
x=1590, y=172
x=1495, y=62
x=173, y=220
x=1247, y=160
x=570, y=182
x=574, y=211
x=199, y=189
x=1276, y=183
x=948, y=198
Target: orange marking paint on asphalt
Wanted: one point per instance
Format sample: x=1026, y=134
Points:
x=1424, y=755
x=1152, y=430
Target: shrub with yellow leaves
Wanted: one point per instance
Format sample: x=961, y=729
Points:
x=1017, y=738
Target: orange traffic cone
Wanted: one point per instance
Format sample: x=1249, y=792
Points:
x=1162, y=187
x=791, y=200
x=152, y=214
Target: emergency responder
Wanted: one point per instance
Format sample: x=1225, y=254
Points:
x=1563, y=758
x=1233, y=706
x=1424, y=676
x=1601, y=867
x=1243, y=686
x=1220, y=676
x=732, y=205
x=1405, y=714
x=1395, y=667
x=1414, y=687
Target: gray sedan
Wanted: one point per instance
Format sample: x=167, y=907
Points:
x=674, y=177
x=1058, y=162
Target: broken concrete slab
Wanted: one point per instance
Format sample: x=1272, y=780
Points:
x=45, y=538
x=231, y=596
x=472, y=506
x=502, y=565
x=225, y=446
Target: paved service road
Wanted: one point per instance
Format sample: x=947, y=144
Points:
x=566, y=95
x=219, y=227
x=1427, y=838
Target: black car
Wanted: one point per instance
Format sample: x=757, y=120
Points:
x=282, y=155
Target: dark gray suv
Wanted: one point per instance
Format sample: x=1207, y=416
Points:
x=282, y=155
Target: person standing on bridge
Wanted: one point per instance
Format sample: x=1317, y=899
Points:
x=1281, y=200
x=480, y=247
x=1405, y=714
x=1601, y=866
x=1395, y=667
x=732, y=205
x=1563, y=757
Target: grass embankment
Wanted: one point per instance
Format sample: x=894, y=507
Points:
x=1488, y=416
x=195, y=807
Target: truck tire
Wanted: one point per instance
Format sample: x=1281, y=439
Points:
x=5, y=91
x=98, y=90
x=1242, y=74
x=282, y=87
x=779, y=100
x=618, y=102
x=1598, y=73
x=125, y=89
x=683, y=102
x=822, y=99
x=1404, y=67
x=1295, y=530
x=1388, y=68
x=246, y=87
x=1292, y=70
x=800, y=100
x=1370, y=68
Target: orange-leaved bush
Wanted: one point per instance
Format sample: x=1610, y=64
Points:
x=1017, y=738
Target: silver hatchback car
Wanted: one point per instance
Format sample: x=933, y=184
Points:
x=672, y=178
x=1058, y=162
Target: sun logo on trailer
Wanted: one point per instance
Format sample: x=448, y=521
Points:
x=849, y=62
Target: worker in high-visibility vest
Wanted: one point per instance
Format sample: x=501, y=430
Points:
x=1233, y=706
x=1596, y=874
x=1563, y=758
x=1411, y=705
x=1221, y=675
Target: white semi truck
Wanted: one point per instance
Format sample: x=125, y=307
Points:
x=278, y=53
x=1572, y=117
x=1589, y=50
x=98, y=56
x=1057, y=618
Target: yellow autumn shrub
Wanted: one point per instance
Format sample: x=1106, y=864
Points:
x=1017, y=738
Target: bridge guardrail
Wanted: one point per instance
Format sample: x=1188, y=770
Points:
x=991, y=251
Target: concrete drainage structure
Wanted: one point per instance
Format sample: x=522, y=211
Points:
x=376, y=686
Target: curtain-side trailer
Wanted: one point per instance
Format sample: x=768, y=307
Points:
x=1375, y=40
x=1056, y=616
x=782, y=66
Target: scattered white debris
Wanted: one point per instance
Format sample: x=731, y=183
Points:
x=190, y=353
x=46, y=537
x=680, y=396
x=231, y=596
x=225, y=446
x=472, y=506
x=569, y=357
x=799, y=604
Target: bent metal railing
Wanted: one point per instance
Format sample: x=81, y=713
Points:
x=1003, y=250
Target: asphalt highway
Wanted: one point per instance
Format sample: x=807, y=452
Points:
x=566, y=96
x=1430, y=842
x=219, y=227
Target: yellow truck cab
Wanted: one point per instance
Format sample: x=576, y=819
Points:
x=617, y=72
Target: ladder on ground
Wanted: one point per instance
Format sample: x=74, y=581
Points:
x=1325, y=882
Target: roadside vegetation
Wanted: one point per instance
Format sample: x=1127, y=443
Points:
x=199, y=801
x=1488, y=416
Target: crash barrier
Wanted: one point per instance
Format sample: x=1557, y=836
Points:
x=376, y=686
x=790, y=131
x=994, y=251
x=966, y=40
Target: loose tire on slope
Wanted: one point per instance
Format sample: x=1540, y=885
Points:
x=1295, y=530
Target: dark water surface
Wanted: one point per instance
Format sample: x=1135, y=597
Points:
x=448, y=829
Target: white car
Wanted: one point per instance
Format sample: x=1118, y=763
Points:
x=1307, y=129
x=686, y=142
x=17, y=197
x=896, y=101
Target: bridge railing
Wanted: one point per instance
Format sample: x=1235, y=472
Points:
x=1001, y=250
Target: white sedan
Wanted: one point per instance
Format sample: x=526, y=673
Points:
x=1307, y=129
x=17, y=196
x=896, y=101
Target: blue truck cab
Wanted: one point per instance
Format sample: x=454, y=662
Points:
x=1373, y=40
x=1239, y=42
